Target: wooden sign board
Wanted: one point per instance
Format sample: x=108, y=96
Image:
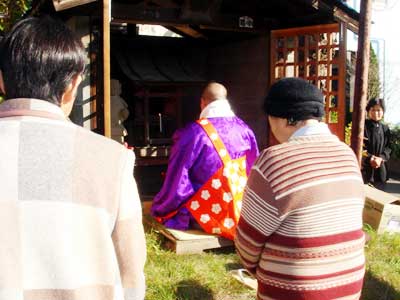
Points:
x=65, y=4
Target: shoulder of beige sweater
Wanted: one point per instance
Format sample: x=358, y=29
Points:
x=103, y=146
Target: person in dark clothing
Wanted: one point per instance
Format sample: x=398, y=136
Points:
x=376, y=145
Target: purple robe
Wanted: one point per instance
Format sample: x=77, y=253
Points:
x=194, y=160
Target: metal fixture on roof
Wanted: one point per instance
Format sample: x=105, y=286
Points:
x=246, y=22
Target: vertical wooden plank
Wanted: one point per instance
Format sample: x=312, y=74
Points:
x=271, y=140
x=306, y=54
x=341, y=102
x=106, y=67
x=272, y=58
x=296, y=56
x=93, y=76
x=317, y=49
x=329, y=88
x=361, y=81
x=178, y=104
x=147, y=118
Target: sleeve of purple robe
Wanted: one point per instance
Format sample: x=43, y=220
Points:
x=177, y=187
x=252, y=154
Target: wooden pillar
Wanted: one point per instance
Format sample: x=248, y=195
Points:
x=106, y=67
x=361, y=80
x=341, y=105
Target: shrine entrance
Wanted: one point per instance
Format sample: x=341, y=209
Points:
x=315, y=54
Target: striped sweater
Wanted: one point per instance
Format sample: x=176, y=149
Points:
x=300, y=230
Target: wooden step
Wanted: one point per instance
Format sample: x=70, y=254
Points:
x=189, y=241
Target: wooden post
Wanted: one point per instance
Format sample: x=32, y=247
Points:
x=106, y=68
x=361, y=80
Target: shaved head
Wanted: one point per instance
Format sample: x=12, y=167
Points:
x=214, y=91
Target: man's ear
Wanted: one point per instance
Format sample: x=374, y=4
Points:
x=2, y=88
x=203, y=103
x=69, y=95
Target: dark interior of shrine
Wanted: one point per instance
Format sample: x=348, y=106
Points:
x=162, y=79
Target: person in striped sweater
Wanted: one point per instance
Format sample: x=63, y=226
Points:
x=300, y=229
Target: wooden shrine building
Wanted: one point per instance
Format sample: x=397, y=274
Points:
x=246, y=45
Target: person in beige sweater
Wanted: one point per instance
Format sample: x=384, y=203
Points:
x=70, y=215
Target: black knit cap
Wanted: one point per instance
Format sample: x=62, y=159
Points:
x=294, y=98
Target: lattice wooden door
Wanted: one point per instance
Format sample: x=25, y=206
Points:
x=314, y=53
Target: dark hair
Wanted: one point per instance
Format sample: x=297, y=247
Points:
x=375, y=101
x=38, y=58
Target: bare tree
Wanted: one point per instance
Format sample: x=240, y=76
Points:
x=391, y=88
x=374, y=84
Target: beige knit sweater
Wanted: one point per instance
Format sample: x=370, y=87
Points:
x=70, y=215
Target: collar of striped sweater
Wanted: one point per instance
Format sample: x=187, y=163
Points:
x=313, y=129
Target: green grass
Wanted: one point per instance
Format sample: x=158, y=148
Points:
x=382, y=279
x=206, y=276
x=195, y=277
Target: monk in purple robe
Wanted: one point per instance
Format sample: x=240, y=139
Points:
x=194, y=159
